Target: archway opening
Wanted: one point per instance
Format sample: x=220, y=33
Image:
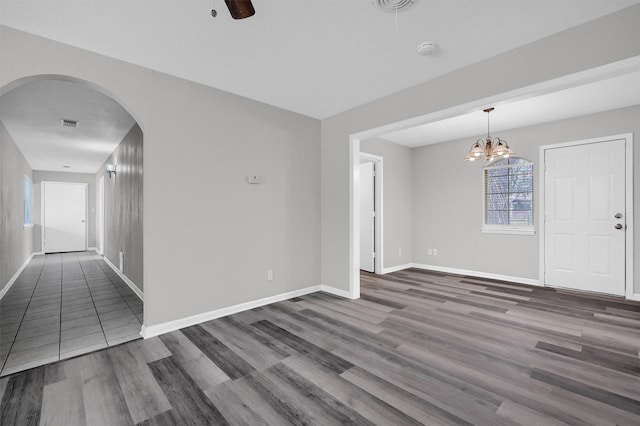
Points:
x=71, y=243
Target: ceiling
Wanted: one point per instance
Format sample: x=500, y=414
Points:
x=32, y=114
x=314, y=57
x=604, y=95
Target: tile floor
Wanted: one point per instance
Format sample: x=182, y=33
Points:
x=63, y=305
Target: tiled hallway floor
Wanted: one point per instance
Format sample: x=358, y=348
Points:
x=63, y=305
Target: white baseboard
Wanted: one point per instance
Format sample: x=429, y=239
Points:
x=93, y=249
x=634, y=296
x=15, y=276
x=126, y=279
x=478, y=274
x=395, y=268
x=167, y=327
x=38, y=253
x=338, y=292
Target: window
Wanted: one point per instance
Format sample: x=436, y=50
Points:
x=28, y=202
x=508, y=197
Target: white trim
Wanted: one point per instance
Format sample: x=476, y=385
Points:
x=354, y=217
x=504, y=229
x=169, y=326
x=38, y=253
x=629, y=244
x=337, y=292
x=634, y=296
x=628, y=138
x=391, y=269
x=15, y=276
x=101, y=211
x=378, y=194
x=513, y=230
x=126, y=279
x=479, y=274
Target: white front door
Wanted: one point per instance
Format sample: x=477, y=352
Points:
x=585, y=217
x=65, y=216
x=367, y=217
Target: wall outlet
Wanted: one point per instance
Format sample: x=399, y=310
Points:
x=399, y=252
x=435, y=252
x=269, y=275
x=429, y=252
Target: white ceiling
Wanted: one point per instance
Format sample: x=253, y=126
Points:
x=32, y=114
x=604, y=95
x=314, y=57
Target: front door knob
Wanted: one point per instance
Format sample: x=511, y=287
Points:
x=618, y=226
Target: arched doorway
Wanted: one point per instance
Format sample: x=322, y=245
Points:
x=68, y=143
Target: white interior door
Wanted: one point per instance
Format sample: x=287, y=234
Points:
x=585, y=217
x=367, y=217
x=65, y=217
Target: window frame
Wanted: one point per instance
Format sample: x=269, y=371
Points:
x=507, y=229
x=26, y=224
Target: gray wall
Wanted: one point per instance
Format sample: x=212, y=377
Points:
x=40, y=176
x=16, y=244
x=447, y=197
x=602, y=41
x=123, y=206
x=397, y=196
x=209, y=237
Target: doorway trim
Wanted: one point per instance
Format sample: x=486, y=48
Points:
x=101, y=215
x=548, y=86
x=379, y=223
x=628, y=138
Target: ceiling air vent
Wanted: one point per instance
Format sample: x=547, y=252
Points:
x=69, y=123
x=392, y=5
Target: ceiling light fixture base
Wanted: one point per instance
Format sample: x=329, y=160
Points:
x=392, y=5
x=426, y=48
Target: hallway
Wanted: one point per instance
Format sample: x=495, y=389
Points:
x=64, y=305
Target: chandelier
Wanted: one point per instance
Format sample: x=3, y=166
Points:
x=490, y=148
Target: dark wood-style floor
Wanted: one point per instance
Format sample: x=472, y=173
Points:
x=417, y=348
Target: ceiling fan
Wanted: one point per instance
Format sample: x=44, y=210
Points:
x=240, y=9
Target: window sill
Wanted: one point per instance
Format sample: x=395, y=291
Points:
x=28, y=226
x=509, y=230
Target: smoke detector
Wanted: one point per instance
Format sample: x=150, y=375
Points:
x=392, y=5
x=426, y=48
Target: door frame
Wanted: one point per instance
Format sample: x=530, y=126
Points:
x=378, y=222
x=101, y=209
x=628, y=138
x=86, y=208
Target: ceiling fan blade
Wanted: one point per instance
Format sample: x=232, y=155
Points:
x=240, y=9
